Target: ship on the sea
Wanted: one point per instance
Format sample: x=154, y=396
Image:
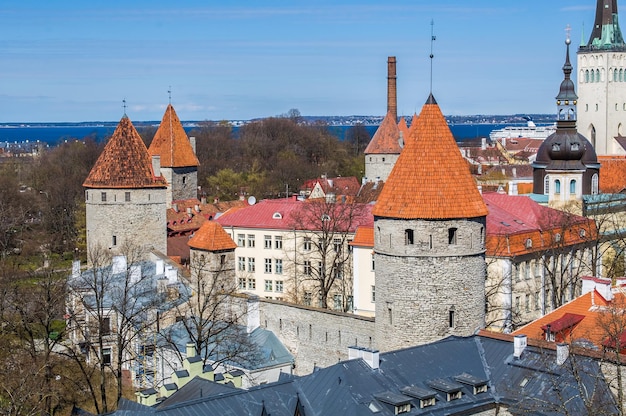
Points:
x=529, y=131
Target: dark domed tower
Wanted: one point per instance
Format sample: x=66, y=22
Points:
x=429, y=231
x=566, y=167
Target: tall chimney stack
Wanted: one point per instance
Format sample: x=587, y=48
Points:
x=392, y=97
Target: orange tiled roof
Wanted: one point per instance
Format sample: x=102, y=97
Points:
x=430, y=180
x=612, y=174
x=124, y=162
x=212, y=237
x=413, y=124
x=171, y=142
x=589, y=305
x=404, y=129
x=386, y=138
x=364, y=237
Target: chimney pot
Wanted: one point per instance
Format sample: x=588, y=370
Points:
x=519, y=344
x=156, y=165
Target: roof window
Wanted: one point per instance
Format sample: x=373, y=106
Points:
x=401, y=403
x=452, y=389
x=478, y=385
x=277, y=216
x=426, y=397
x=529, y=243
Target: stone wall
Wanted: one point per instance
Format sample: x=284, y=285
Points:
x=379, y=166
x=314, y=336
x=428, y=287
x=184, y=182
x=135, y=216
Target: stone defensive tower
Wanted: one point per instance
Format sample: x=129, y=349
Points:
x=429, y=232
x=125, y=196
x=383, y=150
x=179, y=164
x=602, y=83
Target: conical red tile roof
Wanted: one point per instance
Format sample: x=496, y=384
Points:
x=430, y=180
x=385, y=140
x=171, y=142
x=404, y=129
x=124, y=162
x=211, y=237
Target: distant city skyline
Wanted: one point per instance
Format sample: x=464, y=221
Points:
x=73, y=61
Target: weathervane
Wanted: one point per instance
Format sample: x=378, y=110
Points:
x=433, y=38
x=124, y=105
x=568, y=30
x=169, y=92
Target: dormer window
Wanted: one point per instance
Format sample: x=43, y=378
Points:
x=400, y=402
x=277, y=216
x=478, y=385
x=575, y=146
x=557, y=237
x=425, y=396
x=325, y=217
x=452, y=389
x=556, y=147
x=582, y=233
x=529, y=243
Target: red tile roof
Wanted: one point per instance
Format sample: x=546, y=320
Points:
x=430, y=180
x=212, y=237
x=339, y=186
x=404, y=129
x=386, y=139
x=512, y=220
x=364, y=237
x=182, y=222
x=612, y=174
x=286, y=214
x=171, y=143
x=590, y=306
x=124, y=162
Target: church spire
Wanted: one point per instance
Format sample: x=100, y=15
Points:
x=566, y=100
x=606, y=33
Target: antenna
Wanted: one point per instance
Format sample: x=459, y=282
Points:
x=433, y=38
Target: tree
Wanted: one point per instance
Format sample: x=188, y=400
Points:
x=358, y=137
x=322, y=257
x=210, y=320
x=111, y=305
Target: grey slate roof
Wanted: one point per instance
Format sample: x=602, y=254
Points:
x=531, y=384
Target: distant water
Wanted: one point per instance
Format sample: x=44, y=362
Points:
x=56, y=135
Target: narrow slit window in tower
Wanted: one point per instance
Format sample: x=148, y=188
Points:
x=409, y=238
x=452, y=236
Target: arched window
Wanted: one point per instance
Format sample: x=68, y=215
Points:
x=557, y=186
x=572, y=187
x=594, y=184
x=587, y=76
x=409, y=238
x=546, y=185
x=614, y=75
x=621, y=75
x=593, y=136
x=597, y=75
x=451, y=318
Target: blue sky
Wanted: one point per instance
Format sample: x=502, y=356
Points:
x=76, y=60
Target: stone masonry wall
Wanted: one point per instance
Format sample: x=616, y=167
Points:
x=379, y=166
x=184, y=183
x=315, y=337
x=140, y=221
x=424, y=285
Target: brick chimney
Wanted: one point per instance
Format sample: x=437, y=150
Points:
x=392, y=96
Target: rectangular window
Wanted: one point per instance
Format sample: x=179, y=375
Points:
x=307, y=268
x=268, y=265
x=103, y=196
x=251, y=265
x=268, y=286
x=267, y=241
x=337, y=245
x=337, y=302
x=114, y=240
x=373, y=293
x=106, y=356
x=251, y=240
x=517, y=303
x=251, y=283
x=338, y=273
x=527, y=303
x=241, y=240
x=307, y=244
x=278, y=243
x=127, y=196
x=350, y=304
x=105, y=329
x=373, y=263
x=241, y=264
x=308, y=298
x=537, y=300
x=279, y=266
x=242, y=283
x=279, y=286
x=527, y=270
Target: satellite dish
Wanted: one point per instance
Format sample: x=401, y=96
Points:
x=251, y=200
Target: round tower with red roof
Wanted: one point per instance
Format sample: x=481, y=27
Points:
x=429, y=233
x=125, y=196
